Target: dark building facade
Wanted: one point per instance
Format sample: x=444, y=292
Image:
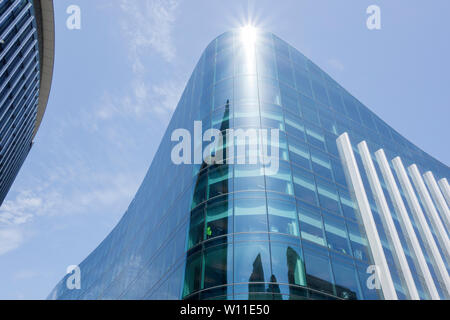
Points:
x=26, y=68
x=316, y=228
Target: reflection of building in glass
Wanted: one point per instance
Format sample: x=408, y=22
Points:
x=310, y=231
x=256, y=280
x=26, y=68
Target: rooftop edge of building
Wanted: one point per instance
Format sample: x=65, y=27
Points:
x=45, y=20
x=261, y=31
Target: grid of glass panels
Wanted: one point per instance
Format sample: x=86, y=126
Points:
x=19, y=87
x=229, y=231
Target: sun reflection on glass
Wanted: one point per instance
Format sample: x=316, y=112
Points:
x=248, y=35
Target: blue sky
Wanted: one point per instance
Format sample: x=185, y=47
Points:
x=118, y=79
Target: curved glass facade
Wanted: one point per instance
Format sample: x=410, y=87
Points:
x=231, y=231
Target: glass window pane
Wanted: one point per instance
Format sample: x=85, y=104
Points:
x=346, y=279
x=220, y=180
x=303, y=82
x=321, y=164
x=338, y=172
x=282, y=217
x=328, y=122
x=223, y=93
x=294, y=126
x=224, y=64
x=284, y=69
x=358, y=242
x=306, y=102
x=287, y=264
x=352, y=109
x=192, y=278
x=222, y=119
x=218, y=266
x=196, y=226
x=281, y=181
x=311, y=225
x=266, y=61
x=320, y=93
x=304, y=185
x=315, y=137
x=199, y=195
x=250, y=215
x=348, y=206
x=248, y=177
x=246, y=89
x=272, y=117
x=269, y=91
x=310, y=115
x=252, y=264
x=330, y=140
x=244, y=63
x=336, y=101
x=328, y=196
x=336, y=231
x=219, y=219
x=289, y=99
x=299, y=153
x=246, y=115
x=318, y=270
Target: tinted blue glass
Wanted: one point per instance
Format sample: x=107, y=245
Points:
x=336, y=233
x=234, y=231
x=287, y=264
x=218, y=266
x=320, y=92
x=250, y=215
x=311, y=223
x=252, y=264
x=346, y=278
x=299, y=153
x=318, y=269
x=283, y=217
x=304, y=185
x=303, y=82
x=19, y=87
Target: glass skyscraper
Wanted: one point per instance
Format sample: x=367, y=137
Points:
x=26, y=68
x=354, y=211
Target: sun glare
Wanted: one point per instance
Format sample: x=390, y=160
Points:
x=248, y=35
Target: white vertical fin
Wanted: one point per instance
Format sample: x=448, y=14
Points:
x=407, y=227
x=430, y=209
x=422, y=225
x=443, y=183
x=388, y=222
x=357, y=188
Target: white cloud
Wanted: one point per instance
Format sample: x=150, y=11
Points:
x=69, y=185
x=74, y=189
x=168, y=94
x=95, y=191
x=20, y=210
x=146, y=27
x=148, y=24
x=158, y=99
x=10, y=239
